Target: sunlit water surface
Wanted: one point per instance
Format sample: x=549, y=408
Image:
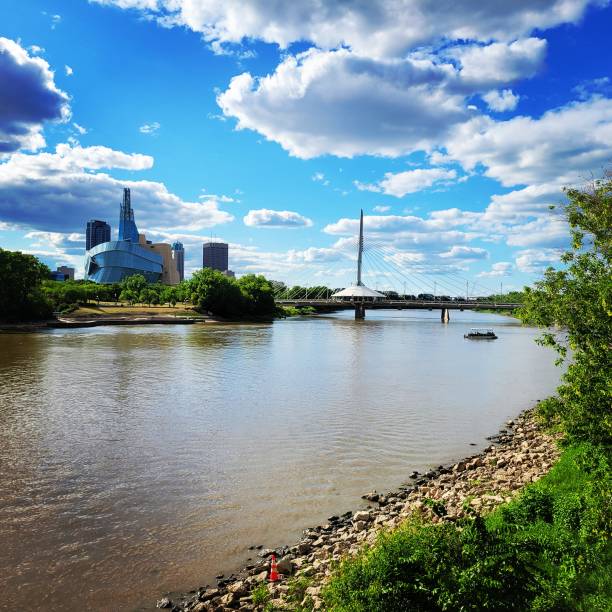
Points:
x=140, y=460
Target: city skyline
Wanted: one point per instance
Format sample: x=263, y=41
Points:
x=455, y=136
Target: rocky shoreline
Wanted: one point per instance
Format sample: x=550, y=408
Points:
x=521, y=453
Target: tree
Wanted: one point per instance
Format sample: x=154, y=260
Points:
x=258, y=294
x=127, y=295
x=212, y=291
x=575, y=304
x=21, y=296
x=135, y=283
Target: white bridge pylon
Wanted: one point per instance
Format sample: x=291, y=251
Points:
x=358, y=293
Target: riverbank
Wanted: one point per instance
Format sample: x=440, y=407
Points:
x=520, y=454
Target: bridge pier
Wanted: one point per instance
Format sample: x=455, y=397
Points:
x=445, y=315
x=359, y=311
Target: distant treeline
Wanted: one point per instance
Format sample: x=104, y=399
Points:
x=27, y=293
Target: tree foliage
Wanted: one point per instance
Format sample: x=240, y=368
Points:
x=21, y=296
x=575, y=305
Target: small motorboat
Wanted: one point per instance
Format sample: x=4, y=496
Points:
x=480, y=333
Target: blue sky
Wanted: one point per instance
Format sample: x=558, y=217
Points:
x=270, y=124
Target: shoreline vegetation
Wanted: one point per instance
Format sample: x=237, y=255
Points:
x=525, y=525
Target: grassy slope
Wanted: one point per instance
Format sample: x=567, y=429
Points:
x=546, y=550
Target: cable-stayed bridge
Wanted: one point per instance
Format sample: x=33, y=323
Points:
x=385, y=264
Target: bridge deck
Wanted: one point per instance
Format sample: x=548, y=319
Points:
x=402, y=304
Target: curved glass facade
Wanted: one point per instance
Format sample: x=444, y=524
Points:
x=111, y=262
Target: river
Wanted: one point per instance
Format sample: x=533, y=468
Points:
x=138, y=460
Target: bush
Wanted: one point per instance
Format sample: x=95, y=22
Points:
x=544, y=551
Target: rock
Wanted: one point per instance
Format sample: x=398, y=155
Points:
x=200, y=607
x=285, y=566
x=359, y=525
x=261, y=577
x=313, y=591
x=237, y=587
x=362, y=515
x=164, y=602
x=373, y=496
x=304, y=548
x=228, y=599
x=208, y=594
x=266, y=552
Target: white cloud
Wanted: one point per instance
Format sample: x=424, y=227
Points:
x=410, y=181
x=32, y=98
x=80, y=129
x=465, y=253
x=501, y=268
x=562, y=146
x=535, y=261
x=377, y=28
x=335, y=102
x=149, y=128
x=501, y=101
x=381, y=209
x=500, y=62
x=69, y=71
x=275, y=218
x=60, y=191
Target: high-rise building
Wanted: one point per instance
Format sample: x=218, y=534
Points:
x=63, y=273
x=97, y=233
x=214, y=255
x=178, y=254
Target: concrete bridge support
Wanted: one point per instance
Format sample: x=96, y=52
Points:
x=359, y=311
x=445, y=315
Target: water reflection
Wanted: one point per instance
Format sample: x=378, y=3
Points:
x=138, y=460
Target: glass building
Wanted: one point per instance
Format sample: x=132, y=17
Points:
x=178, y=255
x=114, y=260
x=214, y=255
x=96, y=233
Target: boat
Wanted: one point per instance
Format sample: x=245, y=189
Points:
x=481, y=333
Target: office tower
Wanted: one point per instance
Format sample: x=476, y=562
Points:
x=214, y=255
x=178, y=254
x=97, y=233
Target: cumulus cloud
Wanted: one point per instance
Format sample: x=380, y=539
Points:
x=465, y=252
x=60, y=191
x=381, y=209
x=380, y=28
x=535, y=261
x=500, y=62
x=69, y=71
x=562, y=146
x=32, y=98
x=275, y=218
x=501, y=268
x=149, y=128
x=335, y=102
x=410, y=181
x=501, y=101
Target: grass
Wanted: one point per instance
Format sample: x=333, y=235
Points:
x=548, y=549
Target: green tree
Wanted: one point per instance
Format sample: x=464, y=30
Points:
x=258, y=294
x=212, y=291
x=135, y=283
x=575, y=305
x=127, y=295
x=21, y=295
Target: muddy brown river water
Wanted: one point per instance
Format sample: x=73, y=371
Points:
x=139, y=460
